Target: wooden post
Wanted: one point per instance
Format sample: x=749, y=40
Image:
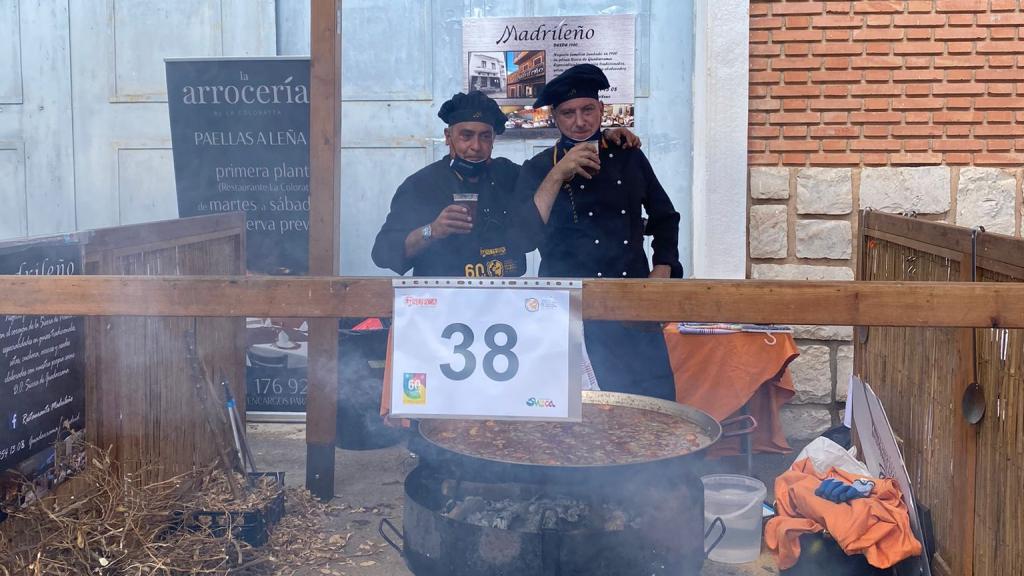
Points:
x=324, y=233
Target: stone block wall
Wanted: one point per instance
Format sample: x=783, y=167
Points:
x=913, y=106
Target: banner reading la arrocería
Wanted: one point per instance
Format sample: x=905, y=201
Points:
x=510, y=60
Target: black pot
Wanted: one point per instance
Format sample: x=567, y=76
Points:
x=361, y=355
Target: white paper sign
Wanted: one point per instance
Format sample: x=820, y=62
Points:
x=465, y=349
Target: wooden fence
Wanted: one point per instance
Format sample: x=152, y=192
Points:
x=970, y=477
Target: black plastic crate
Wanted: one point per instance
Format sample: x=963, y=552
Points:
x=250, y=526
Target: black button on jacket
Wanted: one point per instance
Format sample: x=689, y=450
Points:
x=596, y=227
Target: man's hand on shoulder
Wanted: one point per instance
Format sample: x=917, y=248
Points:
x=624, y=137
x=454, y=219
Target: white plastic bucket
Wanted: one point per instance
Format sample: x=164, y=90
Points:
x=736, y=500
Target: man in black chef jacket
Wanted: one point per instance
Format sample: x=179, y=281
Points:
x=427, y=232
x=587, y=194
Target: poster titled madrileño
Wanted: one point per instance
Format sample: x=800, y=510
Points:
x=510, y=60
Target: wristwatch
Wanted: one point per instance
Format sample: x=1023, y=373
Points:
x=426, y=232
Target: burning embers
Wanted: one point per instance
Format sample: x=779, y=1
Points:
x=540, y=513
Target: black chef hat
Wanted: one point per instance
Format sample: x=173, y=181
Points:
x=580, y=81
x=473, y=107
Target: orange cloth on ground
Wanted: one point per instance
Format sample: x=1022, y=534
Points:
x=877, y=526
x=719, y=373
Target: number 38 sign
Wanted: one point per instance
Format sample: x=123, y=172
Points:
x=493, y=349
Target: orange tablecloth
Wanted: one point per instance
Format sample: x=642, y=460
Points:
x=719, y=373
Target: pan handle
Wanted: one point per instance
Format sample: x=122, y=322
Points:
x=747, y=422
x=386, y=522
x=721, y=524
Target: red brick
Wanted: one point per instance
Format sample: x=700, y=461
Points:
x=957, y=146
x=793, y=146
x=794, y=159
x=765, y=23
x=879, y=48
x=919, y=33
x=917, y=103
x=958, y=130
x=959, y=75
x=757, y=64
x=917, y=76
x=763, y=159
x=876, y=76
x=1000, y=89
x=998, y=103
x=795, y=77
x=916, y=145
x=757, y=91
x=794, y=131
x=835, y=132
x=763, y=131
x=959, y=61
x=957, y=158
x=999, y=159
x=961, y=20
x=794, y=91
x=920, y=159
x=874, y=159
x=765, y=50
x=957, y=117
x=876, y=104
x=834, y=117
x=780, y=8
x=875, y=117
x=797, y=22
x=1007, y=5
x=757, y=118
x=999, y=130
x=869, y=34
x=794, y=118
x=876, y=131
x=835, y=76
x=764, y=105
x=918, y=131
x=834, y=159
x=958, y=103
x=797, y=49
x=796, y=36
x=877, y=62
x=877, y=20
x=837, y=63
x=875, y=90
x=878, y=7
x=837, y=7
x=833, y=49
x=756, y=146
x=836, y=91
x=1018, y=145
x=837, y=35
x=836, y=104
x=997, y=75
x=1001, y=61
x=874, y=145
x=927, y=20
x=999, y=145
x=999, y=116
x=759, y=36
x=1000, y=47
x=1002, y=33
x=958, y=89
x=917, y=62
x=960, y=47
x=765, y=77
x=837, y=21
x=918, y=48
x=794, y=105
x=796, y=63
x=917, y=117
x=1000, y=19
x=1020, y=88
x=834, y=145
x=961, y=5
x=757, y=9
x=960, y=34
x=919, y=6
x=919, y=90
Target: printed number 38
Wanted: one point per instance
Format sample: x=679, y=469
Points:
x=494, y=351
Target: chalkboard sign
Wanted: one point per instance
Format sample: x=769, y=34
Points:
x=42, y=392
x=240, y=134
x=275, y=389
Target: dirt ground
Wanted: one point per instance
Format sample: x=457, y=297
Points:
x=370, y=484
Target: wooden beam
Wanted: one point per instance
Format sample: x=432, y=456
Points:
x=324, y=239
x=981, y=304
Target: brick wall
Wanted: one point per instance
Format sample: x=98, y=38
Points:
x=900, y=106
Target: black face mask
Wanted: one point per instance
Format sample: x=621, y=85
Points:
x=468, y=169
x=566, y=143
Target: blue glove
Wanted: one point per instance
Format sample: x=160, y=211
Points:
x=836, y=491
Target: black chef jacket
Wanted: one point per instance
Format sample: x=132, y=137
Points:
x=596, y=227
x=491, y=249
